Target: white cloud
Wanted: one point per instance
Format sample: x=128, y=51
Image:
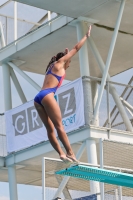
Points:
x=4, y=198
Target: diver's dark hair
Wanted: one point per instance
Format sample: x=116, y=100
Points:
x=55, y=58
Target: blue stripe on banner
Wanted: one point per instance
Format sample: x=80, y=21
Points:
x=91, y=197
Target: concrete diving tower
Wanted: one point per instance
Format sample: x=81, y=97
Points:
x=103, y=15
x=33, y=51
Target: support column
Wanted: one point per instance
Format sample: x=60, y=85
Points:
x=49, y=15
x=116, y=194
x=120, y=190
x=3, y=44
x=25, y=76
x=85, y=71
x=112, y=89
x=128, y=105
x=15, y=21
x=88, y=109
x=101, y=166
x=7, y=87
x=18, y=87
x=12, y=183
x=83, y=52
x=94, y=90
x=92, y=158
x=43, y=179
x=65, y=191
x=110, y=54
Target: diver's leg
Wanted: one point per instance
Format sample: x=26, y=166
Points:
x=54, y=113
x=50, y=131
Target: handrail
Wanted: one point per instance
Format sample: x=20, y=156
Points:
x=42, y=25
x=113, y=82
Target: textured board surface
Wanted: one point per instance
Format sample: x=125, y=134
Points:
x=97, y=174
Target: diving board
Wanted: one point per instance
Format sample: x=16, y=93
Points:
x=98, y=174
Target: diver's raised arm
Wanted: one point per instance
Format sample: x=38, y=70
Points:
x=76, y=48
x=67, y=64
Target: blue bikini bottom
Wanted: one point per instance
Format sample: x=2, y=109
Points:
x=38, y=98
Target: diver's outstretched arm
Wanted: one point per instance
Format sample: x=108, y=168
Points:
x=67, y=64
x=76, y=48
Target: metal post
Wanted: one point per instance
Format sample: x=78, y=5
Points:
x=25, y=76
x=94, y=90
x=116, y=194
x=7, y=87
x=120, y=193
x=3, y=44
x=92, y=158
x=128, y=105
x=12, y=183
x=108, y=104
x=101, y=166
x=66, y=179
x=43, y=179
x=85, y=71
x=6, y=32
x=83, y=52
x=129, y=111
x=109, y=58
x=17, y=85
x=65, y=191
x=111, y=87
x=15, y=20
x=49, y=15
x=120, y=190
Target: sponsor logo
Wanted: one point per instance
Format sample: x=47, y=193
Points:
x=19, y=122
x=67, y=102
x=26, y=121
x=69, y=120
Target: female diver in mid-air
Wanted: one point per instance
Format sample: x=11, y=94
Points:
x=47, y=106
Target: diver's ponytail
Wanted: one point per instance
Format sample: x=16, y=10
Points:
x=53, y=59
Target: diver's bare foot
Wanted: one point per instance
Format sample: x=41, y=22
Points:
x=73, y=158
x=66, y=160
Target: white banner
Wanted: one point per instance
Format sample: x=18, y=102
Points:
x=24, y=128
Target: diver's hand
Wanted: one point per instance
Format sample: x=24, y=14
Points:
x=66, y=50
x=89, y=32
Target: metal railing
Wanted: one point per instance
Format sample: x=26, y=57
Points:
x=14, y=28
x=3, y=148
x=110, y=194
x=109, y=115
